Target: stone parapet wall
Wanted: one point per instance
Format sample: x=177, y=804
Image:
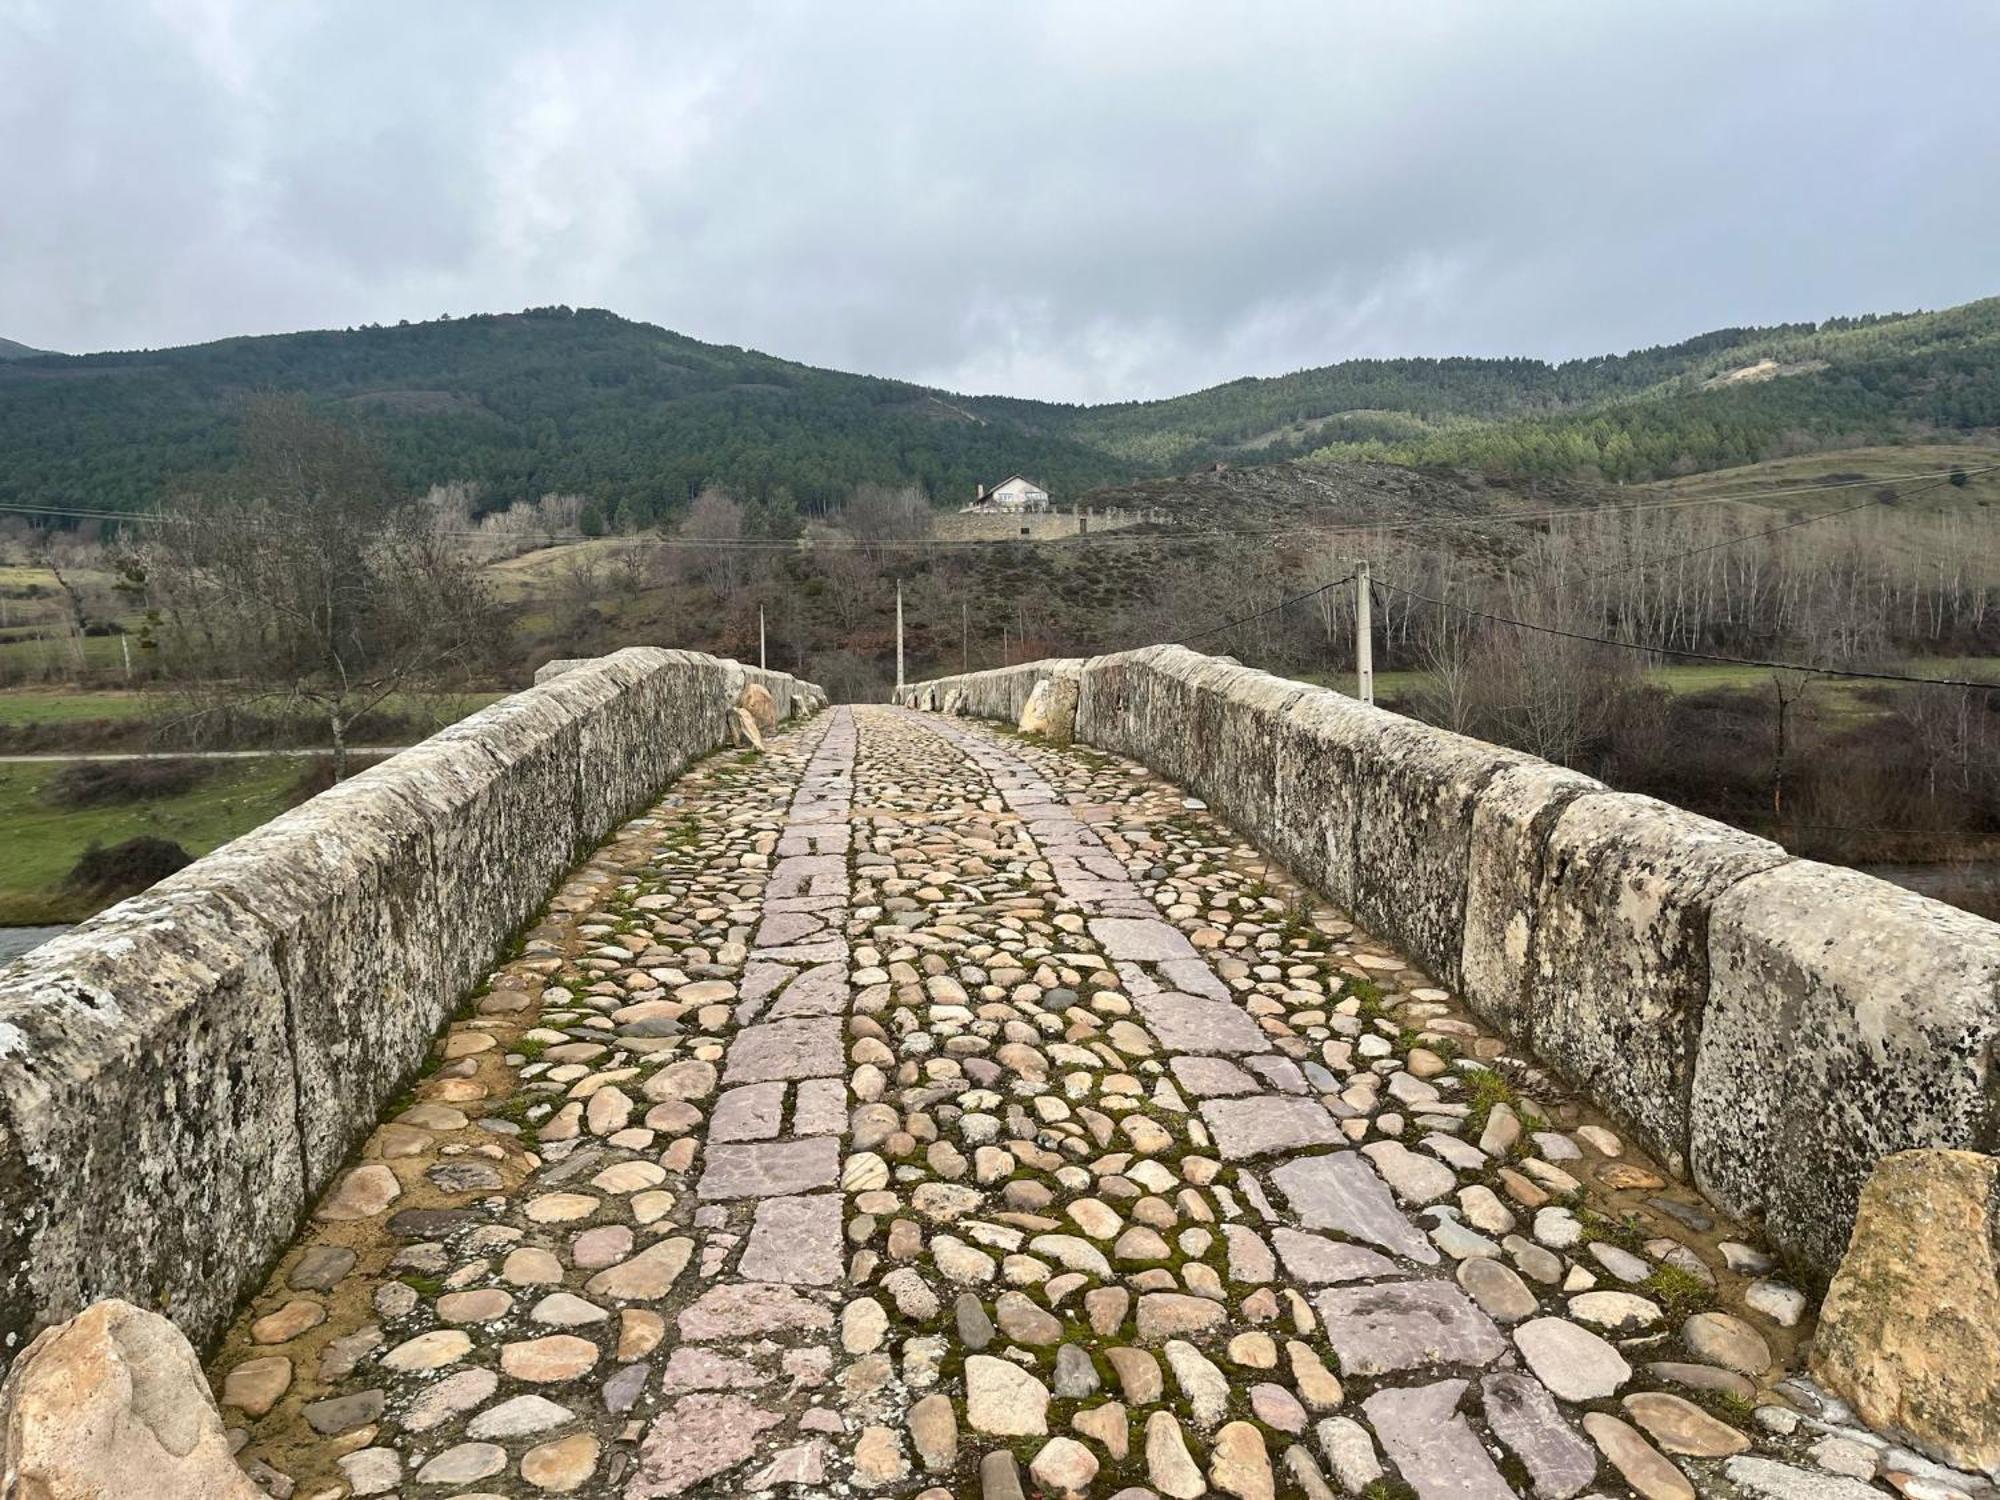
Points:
x=1000, y=693
x=791, y=696
x=1769, y=1026
x=181, y=1075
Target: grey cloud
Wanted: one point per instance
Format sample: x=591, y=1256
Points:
x=1076, y=200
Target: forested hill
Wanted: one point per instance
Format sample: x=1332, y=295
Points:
x=528, y=403
x=1724, y=398
x=11, y=350
x=641, y=418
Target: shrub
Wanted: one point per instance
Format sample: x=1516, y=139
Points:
x=126, y=868
x=102, y=783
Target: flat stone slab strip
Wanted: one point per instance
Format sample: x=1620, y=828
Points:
x=748, y=1112
x=1523, y=1415
x=785, y=1050
x=1265, y=1125
x=795, y=1240
x=1211, y=1077
x=1436, y=1449
x=1315, y=1260
x=1186, y=1024
x=1148, y=940
x=1341, y=1192
x=771, y=1169
x=1406, y=1325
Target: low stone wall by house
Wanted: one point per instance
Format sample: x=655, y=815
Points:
x=181, y=1075
x=1769, y=1026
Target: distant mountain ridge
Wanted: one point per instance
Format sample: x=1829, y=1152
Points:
x=641, y=418
x=11, y=350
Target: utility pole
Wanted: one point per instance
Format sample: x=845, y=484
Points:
x=760, y=638
x=1364, y=633
x=964, y=636
x=899, y=640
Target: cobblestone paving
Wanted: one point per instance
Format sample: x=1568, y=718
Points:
x=916, y=1110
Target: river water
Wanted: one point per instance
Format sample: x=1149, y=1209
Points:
x=14, y=941
x=1971, y=884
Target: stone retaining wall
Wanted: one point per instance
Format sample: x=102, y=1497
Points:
x=181, y=1075
x=1769, y=1026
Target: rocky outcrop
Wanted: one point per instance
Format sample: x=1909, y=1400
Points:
x=756, y=701
x=1769, y=1026
x=756, y=715
x=113, y=1403
x=1909, y=1333
x=183, y=1074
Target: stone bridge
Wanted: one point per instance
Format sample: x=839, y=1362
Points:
x=579, y=1105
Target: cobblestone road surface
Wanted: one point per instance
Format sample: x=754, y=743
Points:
x=917, y=1110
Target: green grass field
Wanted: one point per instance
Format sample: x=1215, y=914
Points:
x=71, y=705
x=1886, y=462
x=103, y=656
x=43, y=842
x=76, y=705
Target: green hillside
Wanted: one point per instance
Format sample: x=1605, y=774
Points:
x=641, y=418
x=11, y=350
x=1758, y=396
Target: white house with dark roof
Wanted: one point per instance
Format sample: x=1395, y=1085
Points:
x=1014, y=494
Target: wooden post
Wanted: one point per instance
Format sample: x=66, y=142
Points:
x=899, y=640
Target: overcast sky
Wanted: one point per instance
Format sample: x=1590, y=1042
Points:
x=1071, y=199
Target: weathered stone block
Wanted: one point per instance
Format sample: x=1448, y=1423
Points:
x=1236, y=711
x=1415, y=790
x=1051, y=707
x=1619, y=954
x=1847, y=1020
x=114, y=1403
x=1316, y=807
x=1511, y=824
x=149, y=1128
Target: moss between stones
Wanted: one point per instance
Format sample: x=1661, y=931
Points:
x=1681, y=1294
x=1484, y=1089
x=1627, y=1233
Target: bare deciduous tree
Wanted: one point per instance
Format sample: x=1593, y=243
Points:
x=304, y=579
x=710, y=536
x=879, y=517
